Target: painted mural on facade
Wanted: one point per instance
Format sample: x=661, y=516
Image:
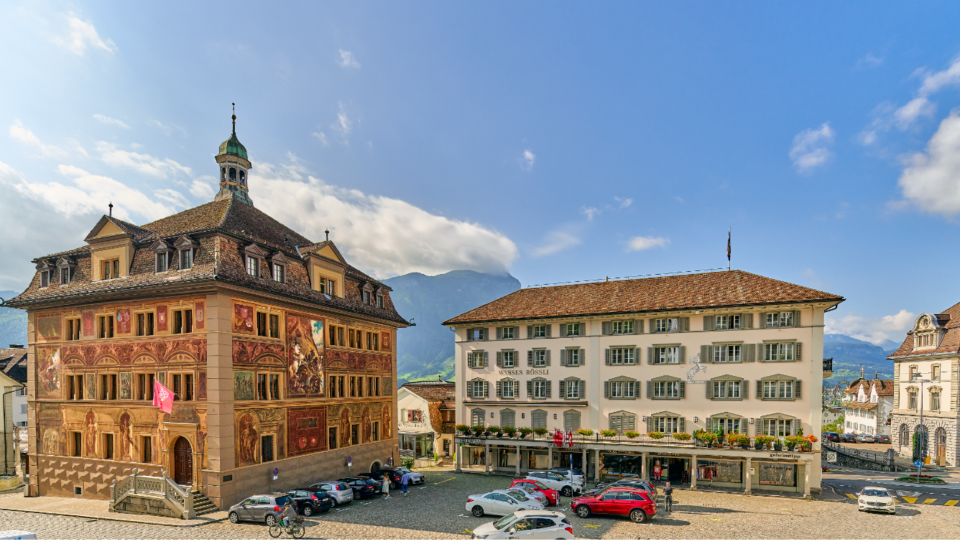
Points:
x=159, y=351
x=48, y=328
x=88, y=323
x=243, y=385
x=306, y=430
x=128, y=425
x=359, y=360
x=49, y=366
x=161, y=318
x=255, y=352
x=252, y=425
x=126, y=385
x=385, y=341
x=305, y=377
x=247, y=440
x=123, y=321
x=200, y=321
x=243, y=318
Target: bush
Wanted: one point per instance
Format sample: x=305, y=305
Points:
x=407, y=462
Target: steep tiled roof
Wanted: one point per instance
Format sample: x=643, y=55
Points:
x=884, y=386
x=13, y=362
x=433, y=391
x=138, y=233
x=950, y=344
x=865, y=405
x=732, y=288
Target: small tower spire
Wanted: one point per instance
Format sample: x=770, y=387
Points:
x=327, y=232
x=111, y=208
x=234, y=117
x=234, y=167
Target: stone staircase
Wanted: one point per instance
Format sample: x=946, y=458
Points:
x=202, y=505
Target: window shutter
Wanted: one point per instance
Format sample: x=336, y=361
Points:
x=486, y=357
x=529, y=389
x=684, y=324
x=635, y=386
x=797, y=352
x=683, y=354
x=547, y=354
x=606, y=330
x=683, y=424
x=709, y=323
x=563, y=357
x=709, y=386
x=796, y=318
x=631, y=422
x=549, y=329
x=499, y=359
x=529, y=358
x=469, y=389
x=649, y=355
x=750, y=352
x=486, y=389
x=638, y=327
x=759, y=389
x=649, y=421
x=709, y=424
x=763, y=320
x=530, y=331
x=743, y=426
x=583, y=357
x=499, y=333
x=606, y=389
x=653, y=326
x=469, y=334
x=796, y=388
x=516, y=389
x=607, y=356
x=746, y=320
x=516, y=332
x=469, y=359
x=582, y=328
x=761, y=353
x=650, y=389
x=683, y=390
x=583, y=389
x=499, y=389
x=563, y=389
x=796, y=426
x=706, y=354
x=549, y=389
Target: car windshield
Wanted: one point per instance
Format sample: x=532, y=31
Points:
x=282, y=500
x=875, y=493
x=540, y=486
x=403, y=470
x=505, y=521
x=517, y=495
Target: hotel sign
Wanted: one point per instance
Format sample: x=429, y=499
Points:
x=523, y=372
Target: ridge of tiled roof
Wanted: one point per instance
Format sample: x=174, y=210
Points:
x=865, y=405
x=724, y=289
x=432, y=390
x=884, y=386
x=138, y=233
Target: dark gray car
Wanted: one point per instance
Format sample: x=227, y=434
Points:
x=259, y=508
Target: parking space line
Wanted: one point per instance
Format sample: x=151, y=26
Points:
x=850, y=495
x=447, y=480
x=929, y=501
x=950, y=503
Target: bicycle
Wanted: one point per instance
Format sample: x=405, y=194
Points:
x=294, y=529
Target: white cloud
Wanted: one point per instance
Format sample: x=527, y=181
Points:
x=867, y=137
x=932, y=83
x=24, y=135
x=347, y=60
x=202, y=188
x=81, y=35
x=930, y=178
x=143, y=163
x=915, y=108
x=624, y=203
x=809, y=147
x=322, y=138
x=343, y=126
x=111, y=121
x=640, y=243
x=870, y=61
x=381, y=235
x=556, y=241
x=167, y=129
x=876, y=330
x=589, y=212
x=527, y=160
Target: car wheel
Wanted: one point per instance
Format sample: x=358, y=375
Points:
x=583, y=511
x=234, y=518
x=394, y=485
x=308, y=510
x=566, y=491
x=477, y=511
x=271, y=520
x=638, y=516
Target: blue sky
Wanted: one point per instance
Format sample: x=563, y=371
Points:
x=558, y=141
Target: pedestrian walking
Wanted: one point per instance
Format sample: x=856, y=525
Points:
x=657, y=470
x=385, y=486
x=404, y=482
x=668, y=497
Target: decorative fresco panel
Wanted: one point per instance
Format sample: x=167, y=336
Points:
x=125, y=441
x=88, y=329
x=200, y=320
x=126, y=385
x=182, y=351
x=385, y=425
x=48, y=373
x=242, y=385
x=123, y=321
x=344, y=429
x=360, y=361
x=254, y=352
x=247, y=440
x=306, y=430
x=243, y=318
x=305, y=366
x=162, y=319
x=89, y=386
x=365, y=424
x=90, y=434
x=385, y=341
x=202, y=385
x=48, y=328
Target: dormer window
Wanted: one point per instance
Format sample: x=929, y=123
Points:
x=278, y=267
x=380, y=301
x=44, y=279
x=278, y=273
x=162, y=252
x=328, y=286
x=186, y=259
x=64, y=276
x=253, y=256
x=162, y=262
x=253, y=266
x=366, y=297
x=65, y=268
x=110, y=269
x=366, y=293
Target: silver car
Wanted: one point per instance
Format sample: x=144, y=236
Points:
x=339, y=491
x=259, y=508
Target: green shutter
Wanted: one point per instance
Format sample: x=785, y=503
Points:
x=549, y=330
x=547, y=354
x=563, y=389
x=529, y=358
x=649, y=389
x=650, y=355
x=583, y=389
x=529, y=389
x=469, y=389
x=549, y=389
x=684, y=324
x=563, y=357
x=516, y=389
x=683, y=390
x=709, y=424
x=706, y=354
x=529, y=331
x=759, y=389
x=746, y=321
x=606, y=389
x=638, y=326
x=683, y=354
x=763, y=320
x=683, y=425
x=499, y=358
x=485, y=359
x=796, y=388
x=607, y=357
x=749, y=352
x=499, y=333
x=709, y=323
x=605, y=328
x=499, y=389
x=709, y=386
x=796, y=318
x=797, y=351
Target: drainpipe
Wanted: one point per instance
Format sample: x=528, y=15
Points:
x=4, y=405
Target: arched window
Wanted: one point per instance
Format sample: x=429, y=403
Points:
x=233, y=174
x=571, y=420
x=508, y=418
x=477, y=417
x=622, y=421
x=223, y=174
x=940, y=437
x=243, y=178
x=538, y=419
x=904, y=436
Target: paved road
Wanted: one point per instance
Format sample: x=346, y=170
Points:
x=846, y=483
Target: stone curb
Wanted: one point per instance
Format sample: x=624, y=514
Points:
x=118, y=519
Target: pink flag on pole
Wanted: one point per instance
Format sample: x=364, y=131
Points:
x=162, y=397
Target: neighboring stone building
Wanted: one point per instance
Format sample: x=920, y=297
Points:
x=13, y=362
x=427, y=412
x=280, y=354
x=926, y=377
x=728, y=351
x=831, y=414
x=868, y=406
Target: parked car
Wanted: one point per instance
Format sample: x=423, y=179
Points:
x=876, y=499
x=380, y=473
x=362, y=487
x=848, y=438
x=635, y=483
x=831, y=436
x=499, y=503
x=577, y=473
x=310, y=502
x=639, y=505
x=552, y=495
x=526, y=524
x=564, y=484
x=882, y=439
x=415, y=478
x=338, y=491
x=531, y=493
x=865, y=438
x=259, y=508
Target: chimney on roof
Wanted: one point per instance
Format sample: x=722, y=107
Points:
x=111, y=209
x=861, y=371
x=327, y=232
x=439, y=378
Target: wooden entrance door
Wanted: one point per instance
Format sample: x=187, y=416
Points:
x=183, y=462
x=941, y=446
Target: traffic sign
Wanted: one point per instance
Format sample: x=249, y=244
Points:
x=918, y=464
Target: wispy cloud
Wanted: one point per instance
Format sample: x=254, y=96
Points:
x=527, y=160
x=322, y=137
x=80, y=35
x=876, y=330
x=929, y=179
x=19, y=133
x=111, y=121
x=143, y=163
x=167, y=129
x=590, y=212
x=343, y=125
x=640, y=243
x=202, y=188
x=870, y=61
x=347, y=60
x=932, y=83
x=624, y=203
x=809, y=148
x=558, y=240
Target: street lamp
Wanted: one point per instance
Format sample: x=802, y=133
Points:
x=923, y=431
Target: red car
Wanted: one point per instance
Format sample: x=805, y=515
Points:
x=635, y=503
x=552, y=495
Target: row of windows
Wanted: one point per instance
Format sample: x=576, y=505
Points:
x=776, y=387
x=181, y=322
x=162, y=262
x=915, y=375
x=354, y=386
x=354, y=338
x=113, y=386
x=932, y=403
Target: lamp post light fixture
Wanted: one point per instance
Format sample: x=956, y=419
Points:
x=923, y=430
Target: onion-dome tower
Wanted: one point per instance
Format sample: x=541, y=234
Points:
x=234, y=168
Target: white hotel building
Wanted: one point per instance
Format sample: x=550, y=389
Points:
x=721, y=350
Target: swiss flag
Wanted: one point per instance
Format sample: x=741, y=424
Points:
x=557, y=437
x=162, y=397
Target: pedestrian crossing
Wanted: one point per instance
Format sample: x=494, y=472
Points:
x=941, y=501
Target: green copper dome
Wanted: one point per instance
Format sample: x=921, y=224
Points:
x=232, y=146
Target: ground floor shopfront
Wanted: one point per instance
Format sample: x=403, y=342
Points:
x=690, y=466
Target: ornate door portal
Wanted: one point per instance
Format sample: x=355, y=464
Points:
x=183, y=462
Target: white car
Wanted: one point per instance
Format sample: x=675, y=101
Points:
x=500, y=503
x=415, y=478
x=531, y=493
x=565, y=485
x=577, y=476
x=876, y=499
x=526, y=524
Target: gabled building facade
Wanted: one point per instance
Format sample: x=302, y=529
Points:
x=280, y=354
x=868, y=406
x=427, y=413
x=926, y=394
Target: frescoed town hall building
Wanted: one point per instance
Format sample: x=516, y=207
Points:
x=280, y=353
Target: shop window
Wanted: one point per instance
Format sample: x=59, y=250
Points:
x=711, y=471
x=777, y=474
